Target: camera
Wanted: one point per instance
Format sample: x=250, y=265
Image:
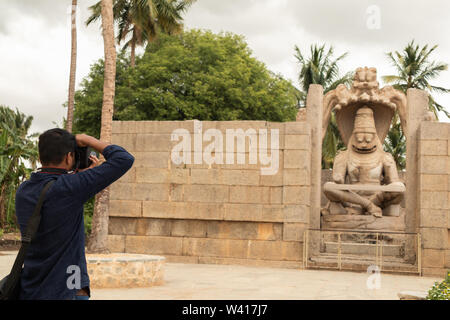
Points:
x=82, y=160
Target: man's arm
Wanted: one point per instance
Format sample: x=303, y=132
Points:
x=86, y=184
x=83, y=140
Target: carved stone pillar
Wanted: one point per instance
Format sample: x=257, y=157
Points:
x=314, y=114
x=417, y=109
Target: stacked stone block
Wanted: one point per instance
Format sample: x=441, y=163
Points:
x=434, y=197
x=211, y=213
x=125, y=271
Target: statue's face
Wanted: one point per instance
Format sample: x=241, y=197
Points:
x=364, y=142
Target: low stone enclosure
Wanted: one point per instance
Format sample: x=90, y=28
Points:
x=200, y=193
x=118, y=270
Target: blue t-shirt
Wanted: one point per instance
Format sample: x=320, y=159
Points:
x=59, y=242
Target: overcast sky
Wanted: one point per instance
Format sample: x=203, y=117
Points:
x=35, y=40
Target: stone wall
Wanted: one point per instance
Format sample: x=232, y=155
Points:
x=434, y=196
x=211, y=213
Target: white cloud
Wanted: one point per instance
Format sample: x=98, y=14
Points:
x=272, y=28
x=34, y=72
x=35, y=37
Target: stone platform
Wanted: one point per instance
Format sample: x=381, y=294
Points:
x=392, y=250
x=363, y=222
x=120, y=270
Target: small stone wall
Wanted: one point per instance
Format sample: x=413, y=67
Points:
x=212, y=213
x=434, y=196
x=125, y=270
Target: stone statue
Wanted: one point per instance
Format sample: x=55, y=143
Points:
x=364, y=163
x=365, y=177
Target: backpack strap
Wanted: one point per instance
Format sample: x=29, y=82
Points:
x=27, y=238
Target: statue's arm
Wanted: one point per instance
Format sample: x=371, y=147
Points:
x=390, y=169
x=340, y=168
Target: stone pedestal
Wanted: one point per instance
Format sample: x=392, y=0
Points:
x=121, y=270
x=364, y=223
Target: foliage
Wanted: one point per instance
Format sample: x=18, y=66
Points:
x=440, y=291
x=88, y=213
x=16, y=147
x=322, y=68
x=195, y=75
x=332, y=143
x=141, y=21
x=395, y=143
x=414, y=70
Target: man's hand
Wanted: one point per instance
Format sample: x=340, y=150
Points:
x=95, y=162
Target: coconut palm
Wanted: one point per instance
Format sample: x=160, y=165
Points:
x=98, y=240
x=414, y=70
x=322, y=68
x=140, y=21
x=73, y=68
x=395, y=143
x=16, y=146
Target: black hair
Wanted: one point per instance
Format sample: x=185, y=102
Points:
x=54, y=145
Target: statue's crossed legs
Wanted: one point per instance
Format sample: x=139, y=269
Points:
x=372, y=204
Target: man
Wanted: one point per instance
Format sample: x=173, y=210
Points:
x=59, y=247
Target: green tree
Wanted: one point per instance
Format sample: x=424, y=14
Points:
x=414, y=70
x=140, y=21
x=322, y=68
x=195, y=75
x=16, y=146
x=395, y=143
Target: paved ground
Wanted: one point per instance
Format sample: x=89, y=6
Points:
x=222, y=282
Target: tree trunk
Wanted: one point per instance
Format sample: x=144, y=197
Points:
x=133, y=53
x=99, y=234
x=73, y=67
x=2, y=206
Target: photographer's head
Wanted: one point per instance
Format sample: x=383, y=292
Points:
x=56, y=149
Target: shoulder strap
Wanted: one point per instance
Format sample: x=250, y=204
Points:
x=30, y=231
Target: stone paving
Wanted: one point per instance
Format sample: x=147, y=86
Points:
x=225, y=282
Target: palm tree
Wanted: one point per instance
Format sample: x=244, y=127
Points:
x=395, y=143
x=16, y=145
x=142, y=20
x=98, y=240
x=415, y=71
x=73, y=68
x=321, y=68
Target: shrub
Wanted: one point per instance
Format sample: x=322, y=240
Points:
x=88, y=213
x=440, y=291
